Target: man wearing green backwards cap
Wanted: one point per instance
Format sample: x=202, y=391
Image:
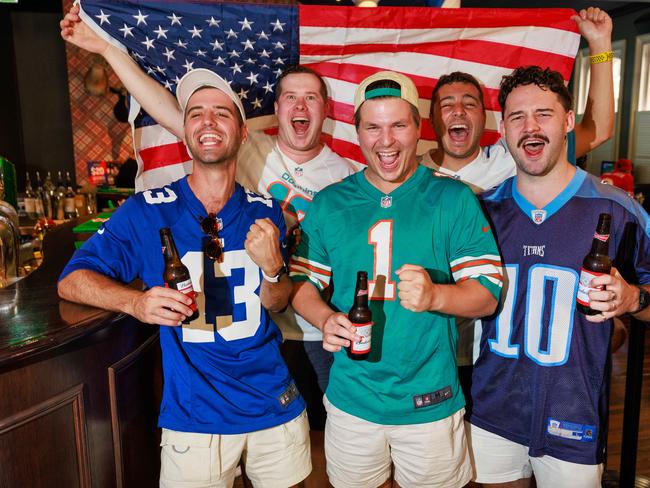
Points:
x=430, y=255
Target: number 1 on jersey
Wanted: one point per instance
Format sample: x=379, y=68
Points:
x=380, y=236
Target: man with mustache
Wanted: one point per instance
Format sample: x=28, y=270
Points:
x=540, y=383
x=291, y=168
x=458, y=118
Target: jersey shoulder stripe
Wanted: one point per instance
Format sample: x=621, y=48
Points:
x=593, y=188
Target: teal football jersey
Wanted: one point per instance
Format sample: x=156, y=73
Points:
x=437, y=223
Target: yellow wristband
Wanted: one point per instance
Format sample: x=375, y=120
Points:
x=601, y=57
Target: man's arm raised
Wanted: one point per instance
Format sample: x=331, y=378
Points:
x=151, y=95
x=597, y=124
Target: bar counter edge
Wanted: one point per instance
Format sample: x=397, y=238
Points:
x=79, y=387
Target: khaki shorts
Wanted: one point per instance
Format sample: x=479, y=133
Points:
x=276, y=457
x=499, y=460
x=359, y=453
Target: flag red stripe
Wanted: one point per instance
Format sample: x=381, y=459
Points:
x=499, y=54
x=354, y=73
x=164, y=155
x=425, y=18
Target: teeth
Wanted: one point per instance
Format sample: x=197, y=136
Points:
x=458, y=126
x=300, y=119
x=209, y=137
x=387, y=154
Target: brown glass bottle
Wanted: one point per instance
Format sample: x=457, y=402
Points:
x=596, y=263
x=361, y=317
x=176, y=274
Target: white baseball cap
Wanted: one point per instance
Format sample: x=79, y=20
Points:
x=199, y=78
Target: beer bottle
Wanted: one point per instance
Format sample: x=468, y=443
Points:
x=176, y=274
x=596, y=263
x=361, y=317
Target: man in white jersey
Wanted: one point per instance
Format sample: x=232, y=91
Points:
x=458, y=118
x=291, y=167
x=458, y=115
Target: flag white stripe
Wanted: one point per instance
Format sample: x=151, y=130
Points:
x=547, y=39
x=426, y=65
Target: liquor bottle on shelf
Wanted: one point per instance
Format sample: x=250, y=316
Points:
x=30, y=198
x=70, y=210
x=40, y=197
x=59, y=198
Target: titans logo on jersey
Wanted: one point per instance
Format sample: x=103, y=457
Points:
x=541, y=379
x=223, y=371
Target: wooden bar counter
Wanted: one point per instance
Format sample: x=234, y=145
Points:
x=79, y=387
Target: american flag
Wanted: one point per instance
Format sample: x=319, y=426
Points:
x=249, y=45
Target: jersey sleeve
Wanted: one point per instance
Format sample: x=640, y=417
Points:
x=113, y=250
x=310, y=261
x=251, y=159
x=474, y=254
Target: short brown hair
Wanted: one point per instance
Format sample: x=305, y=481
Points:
x=546, y=79
x=386, y=84
x=455, y=77
x=299, y=69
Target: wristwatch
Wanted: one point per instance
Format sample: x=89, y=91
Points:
x=644, y=300
x=276, y=278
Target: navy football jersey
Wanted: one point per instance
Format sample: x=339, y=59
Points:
x=223, y=371
x=542, y=375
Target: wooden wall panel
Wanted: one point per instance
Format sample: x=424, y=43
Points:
x=46, y=443
x=135, y=383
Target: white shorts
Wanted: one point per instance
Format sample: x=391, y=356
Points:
x=499, y=460
x=276, y=457
x=359, y=453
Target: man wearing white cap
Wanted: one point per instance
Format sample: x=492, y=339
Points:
x=290, y=167
x=429, y=255
x=227, y=393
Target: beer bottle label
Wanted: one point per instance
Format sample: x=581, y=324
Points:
x=186, y=288
x=584, y=288
x=362, y=346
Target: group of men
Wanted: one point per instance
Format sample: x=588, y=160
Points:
x=432, y=253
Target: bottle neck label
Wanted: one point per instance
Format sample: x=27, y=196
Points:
x=601, y=237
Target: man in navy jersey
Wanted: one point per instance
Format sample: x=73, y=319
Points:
x=228, y=394
x=541, y=380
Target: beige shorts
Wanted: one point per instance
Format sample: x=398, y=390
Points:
x=499, y=460
x=276, y=457
x=359, y=453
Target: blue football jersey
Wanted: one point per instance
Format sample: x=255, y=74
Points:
x=542, y=375
x=223, y=371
